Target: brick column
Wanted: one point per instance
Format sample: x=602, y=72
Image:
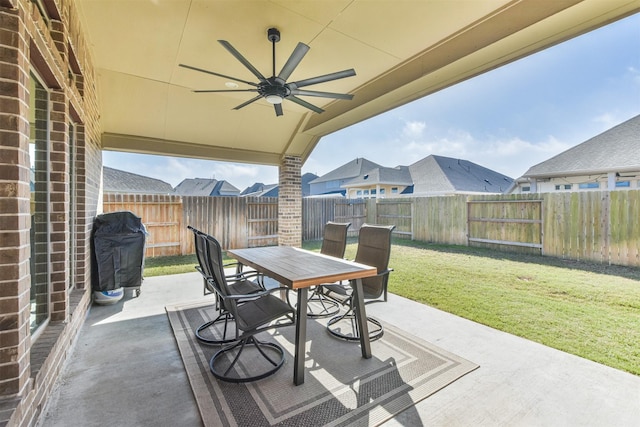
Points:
x=290, y=202
x=15, y=214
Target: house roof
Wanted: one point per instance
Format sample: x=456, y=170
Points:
x=439, y=174
x=206, y=187
x=349, y=170
x=117, y=181
x=615, y=150
x=261, y=190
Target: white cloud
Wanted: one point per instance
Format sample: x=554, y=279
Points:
x=413, y=129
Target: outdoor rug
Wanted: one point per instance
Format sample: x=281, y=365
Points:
x=340, y=389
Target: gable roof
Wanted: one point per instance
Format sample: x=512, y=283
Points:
x=206, y=187
x=439, y=174
x=118, y=181
x=349, y=170
x=615, y=150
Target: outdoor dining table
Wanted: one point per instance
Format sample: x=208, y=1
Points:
x=300, y=269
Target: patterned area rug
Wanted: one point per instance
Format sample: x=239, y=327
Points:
x=341, y=388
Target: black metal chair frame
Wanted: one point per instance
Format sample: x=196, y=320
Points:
x=253, y=314
x=374, y=287
x=248, y=287
x=334, y=243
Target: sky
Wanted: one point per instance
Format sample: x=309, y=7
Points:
x=508, y=119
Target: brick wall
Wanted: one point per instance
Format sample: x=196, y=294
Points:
x=14, y=198
x=55, y=49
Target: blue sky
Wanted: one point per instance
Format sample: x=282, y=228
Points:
x=507, y=120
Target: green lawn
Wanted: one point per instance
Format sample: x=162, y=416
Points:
x=590, y=310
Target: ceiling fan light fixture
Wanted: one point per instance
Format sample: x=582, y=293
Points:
x=273, y=99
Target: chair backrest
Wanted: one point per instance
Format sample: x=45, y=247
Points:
x=201, y=251
x=374, y=249
x=218, y=279
x=334, y=239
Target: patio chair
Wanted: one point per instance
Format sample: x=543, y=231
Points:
x=374, y=249
x=253, y=314
x=334, y=242
x=241, y=285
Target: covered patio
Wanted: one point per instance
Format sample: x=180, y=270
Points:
x=125, y=369
x=83, y=76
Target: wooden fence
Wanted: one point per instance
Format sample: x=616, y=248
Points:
x=598, y=226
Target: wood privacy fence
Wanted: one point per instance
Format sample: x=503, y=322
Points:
x=598, y=226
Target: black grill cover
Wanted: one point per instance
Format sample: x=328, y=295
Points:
x=118, y=251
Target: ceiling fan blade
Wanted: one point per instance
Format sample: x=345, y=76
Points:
x=298, y=53
x=278, y=108
x=304, y=104
x=224, y=90
x=325, y=78
x=242, y=59
x=217, y=74
x=321, y=94
x=244, y=104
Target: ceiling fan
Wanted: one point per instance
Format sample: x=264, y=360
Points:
x=275, y=88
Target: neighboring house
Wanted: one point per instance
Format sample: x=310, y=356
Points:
x=271, y=190
x=206, y=187
x=117, y=181
x=332, y=182
x=609, y=161
x=433, y=175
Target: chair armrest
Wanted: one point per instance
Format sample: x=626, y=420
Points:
x=249, y=297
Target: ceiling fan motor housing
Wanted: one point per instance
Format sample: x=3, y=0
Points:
x=273, y=35
x=273, y=86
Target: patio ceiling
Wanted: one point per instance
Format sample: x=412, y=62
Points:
x=401, y=51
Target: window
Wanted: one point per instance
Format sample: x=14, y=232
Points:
x=394, y=190
x=563, y=187
x=588, y=185
x=623, y=184
x=526, y=189
x=39, y=159
x=381, y=191
x=373, y=191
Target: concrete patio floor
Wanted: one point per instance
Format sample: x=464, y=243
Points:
x=125, y=370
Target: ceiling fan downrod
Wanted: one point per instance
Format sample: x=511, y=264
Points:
x=274, y=37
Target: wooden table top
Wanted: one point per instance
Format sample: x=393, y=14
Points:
x=298, y=268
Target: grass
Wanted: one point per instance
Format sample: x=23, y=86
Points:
x=589, y=310
x=162, y=266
